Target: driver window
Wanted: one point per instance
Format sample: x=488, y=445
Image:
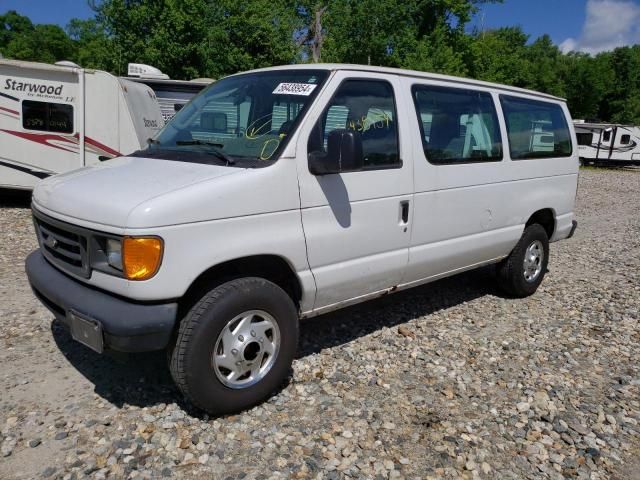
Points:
x=366, y=107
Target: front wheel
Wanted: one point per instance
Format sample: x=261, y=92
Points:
x=521, y=273
x=235, y=346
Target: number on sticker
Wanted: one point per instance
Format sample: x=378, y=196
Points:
x=304, y=89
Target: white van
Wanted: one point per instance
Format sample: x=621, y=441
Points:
x=56, y=118
x=287, y=192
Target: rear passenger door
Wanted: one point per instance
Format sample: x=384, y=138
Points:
x=461, y=214
x=357, y=224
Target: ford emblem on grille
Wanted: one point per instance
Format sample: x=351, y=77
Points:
x=51, y=242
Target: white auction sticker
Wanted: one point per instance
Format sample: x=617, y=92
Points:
x=294, y=89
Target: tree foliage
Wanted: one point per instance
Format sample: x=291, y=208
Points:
x=213, y=38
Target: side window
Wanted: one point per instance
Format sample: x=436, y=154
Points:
x=625, y=139
x=47, y=117
x=368, y=108
x=536, y=129
x=457, y=125
x=606, y=136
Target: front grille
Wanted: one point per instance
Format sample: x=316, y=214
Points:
x=63, y=244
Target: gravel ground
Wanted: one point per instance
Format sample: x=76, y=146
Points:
x=449, y=380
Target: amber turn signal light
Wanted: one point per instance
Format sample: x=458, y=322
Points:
x=141, y=257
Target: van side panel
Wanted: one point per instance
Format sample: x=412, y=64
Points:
x=472, y=213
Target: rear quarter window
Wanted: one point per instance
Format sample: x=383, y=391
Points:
x=535, y=129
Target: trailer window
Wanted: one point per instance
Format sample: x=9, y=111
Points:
x=606, y=136
x=625, y=139
x=457, y=126
x=536, y=129
x=47, y=117
x=584, y=139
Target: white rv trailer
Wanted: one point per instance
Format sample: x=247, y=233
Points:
x=172, y=94
x=608, y=143
x=56, y=118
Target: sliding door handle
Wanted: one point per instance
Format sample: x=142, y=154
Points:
x=404, y=212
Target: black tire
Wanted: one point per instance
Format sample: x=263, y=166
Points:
x=191, y=361
x=510, y=271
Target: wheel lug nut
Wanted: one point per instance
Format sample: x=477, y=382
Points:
x=253, y=334
x=261, y=340
x=241, y=338
x=234, y=351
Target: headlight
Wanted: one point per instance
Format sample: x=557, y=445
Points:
x=141, y=257
x=114, y=253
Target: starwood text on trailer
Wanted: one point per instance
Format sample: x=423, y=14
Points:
x=287, y=192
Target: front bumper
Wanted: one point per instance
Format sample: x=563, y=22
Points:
x=126, y=326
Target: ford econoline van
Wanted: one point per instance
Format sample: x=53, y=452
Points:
x=287, y=192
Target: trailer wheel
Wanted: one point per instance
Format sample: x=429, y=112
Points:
x=521, y=273
x=235, y=346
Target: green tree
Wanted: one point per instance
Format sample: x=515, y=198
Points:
x=585, y=82
x=93, y=48
x=11, y=25
x=190, y=38
x=546, y=66
x=22, y=40
x=246, y=34
x=501, y=56
x=421, y=34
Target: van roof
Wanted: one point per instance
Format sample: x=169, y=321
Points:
x=410, y=73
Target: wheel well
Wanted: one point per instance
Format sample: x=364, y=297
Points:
x=270, y=267
x=545, y=218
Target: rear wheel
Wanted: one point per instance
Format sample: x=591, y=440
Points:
x=522, y=271
x=235, y=346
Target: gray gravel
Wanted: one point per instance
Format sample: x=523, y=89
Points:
x=449, y=380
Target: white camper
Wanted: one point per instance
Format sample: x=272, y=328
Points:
x=608, y=143
x=172, y=94
x=56, y=118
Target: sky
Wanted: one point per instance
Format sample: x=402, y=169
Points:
x=590, y=26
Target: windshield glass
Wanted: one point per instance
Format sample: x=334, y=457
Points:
x=242, y=120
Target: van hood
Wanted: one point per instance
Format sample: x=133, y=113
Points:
x=107, y=193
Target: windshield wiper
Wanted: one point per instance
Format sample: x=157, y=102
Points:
x=216, y=149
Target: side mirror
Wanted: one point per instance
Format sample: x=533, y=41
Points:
x=344, y=154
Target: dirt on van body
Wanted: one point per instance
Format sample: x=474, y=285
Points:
x=449, y=380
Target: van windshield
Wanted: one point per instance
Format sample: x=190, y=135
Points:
x=242, y=120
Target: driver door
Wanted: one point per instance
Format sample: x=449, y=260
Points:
x=358, y=224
